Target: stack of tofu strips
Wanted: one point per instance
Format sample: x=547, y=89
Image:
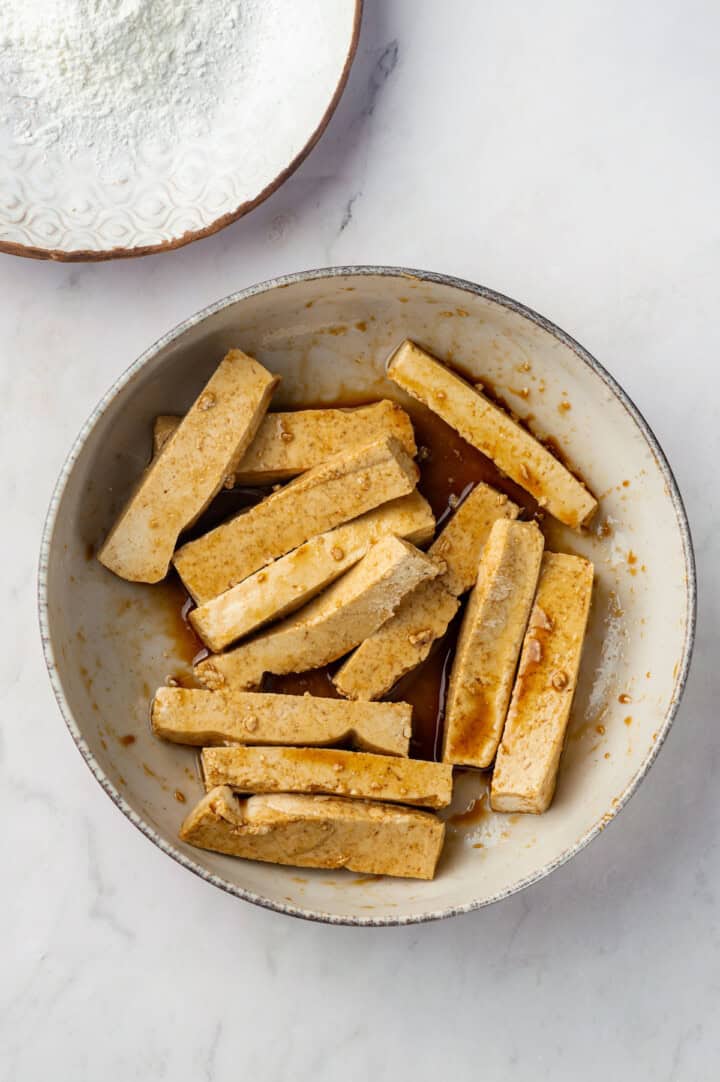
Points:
x=329, y=567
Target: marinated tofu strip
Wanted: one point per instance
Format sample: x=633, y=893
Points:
x=201, y=718
x=179, y=484
x=338, y=490
x=489, y=644
x=527, y=761
x=331, y=625
x=399, y=646
x=460, y=544
x=402, y=643
x=295, y=579
x=318, y=832
x=494, y=432
x=292, y=442
x=163, y=428
x=324, y=770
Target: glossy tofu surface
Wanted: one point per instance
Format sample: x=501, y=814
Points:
x=181, y=481
x=527, y=761
x=199, y=717
x=318, y=832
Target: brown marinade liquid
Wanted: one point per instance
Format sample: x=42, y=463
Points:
x=187, y=645
x=449, y=469
x=425, y=689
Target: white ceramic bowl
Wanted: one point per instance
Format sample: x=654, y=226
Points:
x=290, y=64
x=108, y=643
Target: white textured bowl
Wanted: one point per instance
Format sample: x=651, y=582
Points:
x=290, y=63
x=108, y=643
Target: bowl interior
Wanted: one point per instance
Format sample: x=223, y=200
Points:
x=111, y=643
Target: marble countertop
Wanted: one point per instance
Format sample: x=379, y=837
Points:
x=565, y=154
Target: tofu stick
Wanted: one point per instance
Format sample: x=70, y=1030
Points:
x=338, y=490
x=527, y=761
x=332, y=624
x=294, y=579
x=402, y=643
x=489, y=645
x=494, y=432
x=399, y=645
x=179, y=484
x=201, y=718
x=163, y=427
x=459, y=545
x=290, y=443
x=324, y=770
x=318, y=832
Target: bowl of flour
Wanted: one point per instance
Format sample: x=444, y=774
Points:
x=136, y=126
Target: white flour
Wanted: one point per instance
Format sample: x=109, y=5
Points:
x=101, y=76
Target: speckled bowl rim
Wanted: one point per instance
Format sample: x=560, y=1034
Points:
x=91, y=255
x=587, y=359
